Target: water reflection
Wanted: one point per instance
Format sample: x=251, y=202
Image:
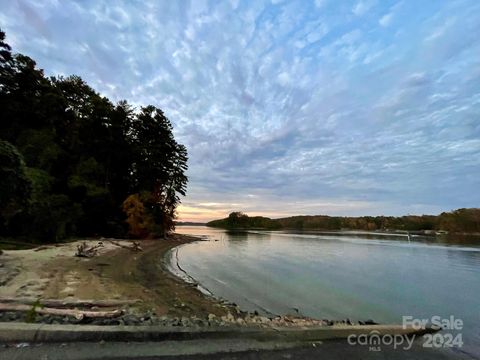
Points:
x=331, y=275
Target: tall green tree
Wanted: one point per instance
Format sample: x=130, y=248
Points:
x=14, y=184
x=84, y=156
x=159, y=165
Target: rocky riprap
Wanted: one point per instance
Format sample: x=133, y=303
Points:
x=150, y=318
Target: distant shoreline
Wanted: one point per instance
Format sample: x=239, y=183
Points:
x=426, y=233
x=461, y=221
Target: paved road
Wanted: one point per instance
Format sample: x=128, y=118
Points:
x=216, y=350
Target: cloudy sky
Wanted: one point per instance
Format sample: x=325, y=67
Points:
x=287, y=107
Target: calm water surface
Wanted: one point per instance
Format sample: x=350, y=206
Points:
x=356, y=276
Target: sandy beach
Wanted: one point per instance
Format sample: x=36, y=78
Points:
x=53, y=272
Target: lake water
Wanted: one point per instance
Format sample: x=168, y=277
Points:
x=333, y=276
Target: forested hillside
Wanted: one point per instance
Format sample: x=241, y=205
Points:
x=72, y=163
x=239, y=220
x=461, y=220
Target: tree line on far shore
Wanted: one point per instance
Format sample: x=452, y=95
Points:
x=457, y=221
x=72, y=163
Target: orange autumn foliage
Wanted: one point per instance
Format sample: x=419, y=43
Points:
x=139, y=221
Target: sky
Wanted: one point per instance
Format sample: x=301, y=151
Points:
x=362, y=107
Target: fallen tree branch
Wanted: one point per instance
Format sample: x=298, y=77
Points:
x=78, y=314
x=136, y=246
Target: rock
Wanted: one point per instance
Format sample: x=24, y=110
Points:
x=211, y=317
x=370, y=322
x=75, y=321
x=185, y=321
x=111, y=322
x=12, y=316
x=131, y=320
x=263, y=319
x=201, y=323
x=46, y=320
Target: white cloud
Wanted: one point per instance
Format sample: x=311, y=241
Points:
x=317, y=33
x=386, y=19
x=292, y=104
x=362, y=7
x=284, y=78
x=320, y=3
x=440, y=30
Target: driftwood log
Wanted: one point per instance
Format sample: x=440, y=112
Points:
x=78, y=314
x=83, y=250
x=69, y=303
x=134, y=247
